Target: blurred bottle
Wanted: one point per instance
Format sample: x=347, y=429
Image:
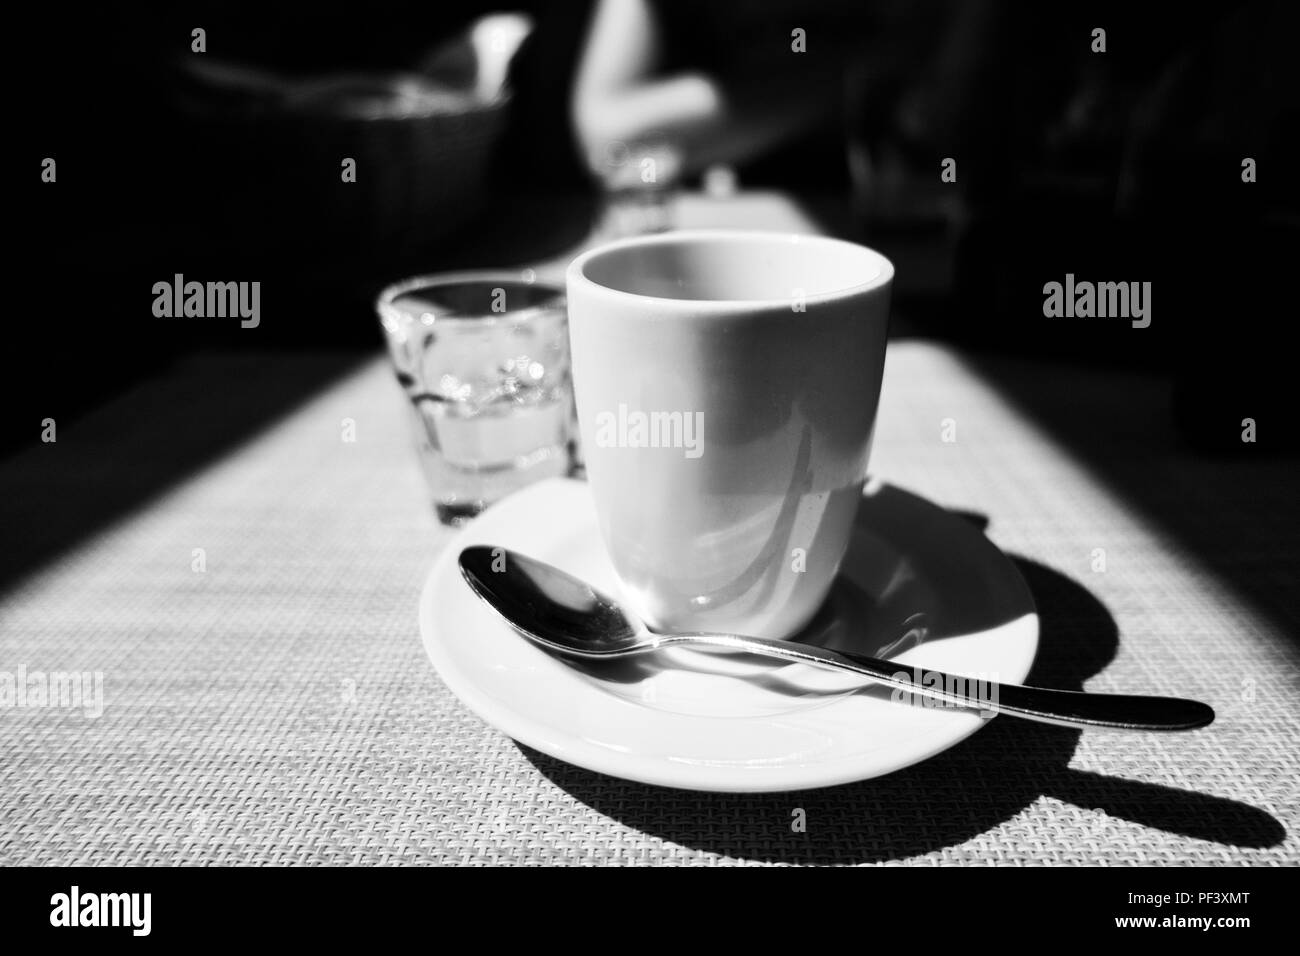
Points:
x=640, y=182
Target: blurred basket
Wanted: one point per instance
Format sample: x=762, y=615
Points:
x=277, y=150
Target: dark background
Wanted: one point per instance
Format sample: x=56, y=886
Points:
x=1142, y=185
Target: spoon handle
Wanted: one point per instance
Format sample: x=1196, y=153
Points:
x=1061, y=707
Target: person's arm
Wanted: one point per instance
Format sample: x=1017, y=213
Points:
x=618, y=97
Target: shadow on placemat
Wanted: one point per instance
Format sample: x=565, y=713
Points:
x=983, y=782
x=144, y=442
x=1173, y=451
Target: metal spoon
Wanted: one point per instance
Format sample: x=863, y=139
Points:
x=565, y=614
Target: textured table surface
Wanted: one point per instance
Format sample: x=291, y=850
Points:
x=277, y=706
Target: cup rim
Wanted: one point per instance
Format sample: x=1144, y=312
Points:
x=576, y=274
x=386, y=295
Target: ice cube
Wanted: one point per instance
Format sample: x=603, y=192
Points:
x=454, y=389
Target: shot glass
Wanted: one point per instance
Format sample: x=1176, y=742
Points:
x=483, y=358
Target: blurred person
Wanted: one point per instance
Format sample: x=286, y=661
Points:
x=781, y=89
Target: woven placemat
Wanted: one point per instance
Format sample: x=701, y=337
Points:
x=276, y=706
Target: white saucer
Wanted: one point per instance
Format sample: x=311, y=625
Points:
x=919, y=585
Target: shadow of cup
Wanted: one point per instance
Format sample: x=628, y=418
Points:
x=956, y=799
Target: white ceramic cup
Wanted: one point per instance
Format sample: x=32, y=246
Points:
x=726, y=385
